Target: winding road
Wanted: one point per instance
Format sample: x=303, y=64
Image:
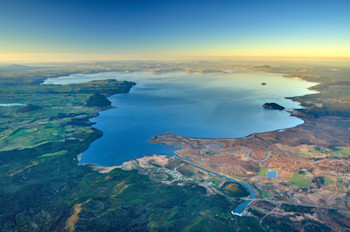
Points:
x=274, y=209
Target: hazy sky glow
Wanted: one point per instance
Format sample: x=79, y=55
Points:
x=128, y=29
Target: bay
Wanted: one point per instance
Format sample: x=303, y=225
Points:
x=203, y=105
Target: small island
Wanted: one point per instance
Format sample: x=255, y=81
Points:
x=273, y=106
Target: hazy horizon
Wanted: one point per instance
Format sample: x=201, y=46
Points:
x=52, y=58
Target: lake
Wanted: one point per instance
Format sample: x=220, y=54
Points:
x=210, y=105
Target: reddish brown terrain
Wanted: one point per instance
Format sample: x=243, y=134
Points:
x=310, y=172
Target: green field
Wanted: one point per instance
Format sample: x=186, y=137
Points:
x=300, y=180
x=234, y=190
x=263, y=171
x=342, y=152
x=63, y=152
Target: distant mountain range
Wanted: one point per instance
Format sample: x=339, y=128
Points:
x=17, y=67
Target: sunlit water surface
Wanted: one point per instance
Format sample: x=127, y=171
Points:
x=215, y=105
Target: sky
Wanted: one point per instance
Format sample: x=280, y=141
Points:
x=59, y=30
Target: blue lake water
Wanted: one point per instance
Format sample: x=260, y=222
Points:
x=215, y=105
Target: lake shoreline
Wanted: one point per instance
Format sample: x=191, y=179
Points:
x=289, y=111
x=241, y=207
x=292, y=113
